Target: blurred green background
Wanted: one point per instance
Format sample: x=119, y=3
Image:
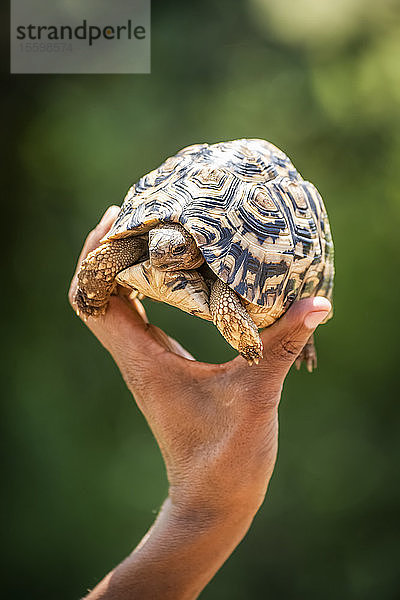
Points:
x=82, y=476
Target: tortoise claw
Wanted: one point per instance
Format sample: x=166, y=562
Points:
x=308, y=355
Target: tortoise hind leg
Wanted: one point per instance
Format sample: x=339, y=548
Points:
x=308, y=355
x=234, y=322
x=96, y=278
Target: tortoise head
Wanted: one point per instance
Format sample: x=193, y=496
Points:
x=172, y=248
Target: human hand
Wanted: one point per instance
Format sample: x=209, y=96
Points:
x=216, y=424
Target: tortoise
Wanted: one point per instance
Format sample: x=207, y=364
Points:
x=230, y=232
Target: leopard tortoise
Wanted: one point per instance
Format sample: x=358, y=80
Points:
x=230, y=232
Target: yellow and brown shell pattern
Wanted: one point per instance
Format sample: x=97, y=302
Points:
x=260, y=226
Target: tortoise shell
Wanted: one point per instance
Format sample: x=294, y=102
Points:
x=260, y=226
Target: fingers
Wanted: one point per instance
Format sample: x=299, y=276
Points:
x=284, y=340
x=124, y=330
x=125, y=323
x=138, y=306
x=158, y=334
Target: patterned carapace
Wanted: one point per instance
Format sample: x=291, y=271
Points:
x=260, y=226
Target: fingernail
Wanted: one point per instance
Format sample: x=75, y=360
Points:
x=321, y=306
x=111, y=211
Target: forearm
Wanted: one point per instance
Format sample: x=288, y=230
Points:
x=178, y=556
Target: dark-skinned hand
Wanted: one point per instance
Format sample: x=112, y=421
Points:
x=217, y=428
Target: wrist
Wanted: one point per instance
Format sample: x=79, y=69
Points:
x=232, y=508
x=209, y=525
x=230, y=482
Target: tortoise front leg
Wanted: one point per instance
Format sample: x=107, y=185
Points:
x=234, y=322
x=96, y=278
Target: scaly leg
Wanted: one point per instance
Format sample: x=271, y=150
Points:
x=234, y=322
x=96, y=278
x=308, y=355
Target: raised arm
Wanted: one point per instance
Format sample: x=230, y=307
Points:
x=217, y=429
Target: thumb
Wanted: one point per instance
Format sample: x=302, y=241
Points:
x=285, y=339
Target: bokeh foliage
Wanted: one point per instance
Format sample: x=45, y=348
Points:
x=83, y=478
